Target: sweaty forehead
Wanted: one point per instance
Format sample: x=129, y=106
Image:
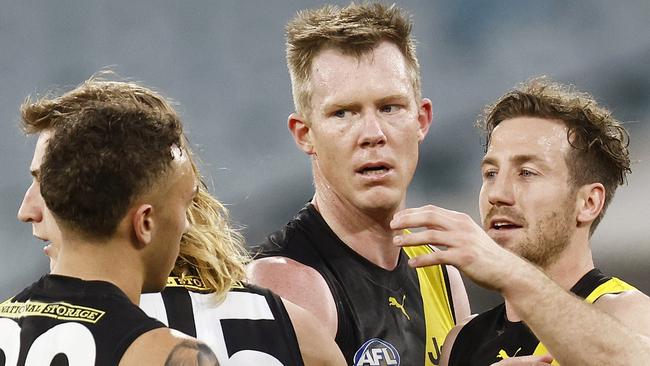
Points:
x=329, y=61
x=332, y=68
x=532, y=133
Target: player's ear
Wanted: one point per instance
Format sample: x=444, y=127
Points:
x=299, y=128
x=143, y=224
x=590, y=201
x=425, y=116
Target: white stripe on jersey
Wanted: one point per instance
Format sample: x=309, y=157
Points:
x=207, y=321
x=153, y=305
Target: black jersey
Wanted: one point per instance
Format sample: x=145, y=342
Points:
x=250, y=326
x=490, y=337
x=398, y=317
x=63, y=320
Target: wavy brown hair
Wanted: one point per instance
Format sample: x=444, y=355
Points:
x=212, y=248
x=600, y=143
x=112, y=141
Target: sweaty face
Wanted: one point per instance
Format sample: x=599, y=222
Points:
x=526, y=202
x=171, y=199
x=365, y=127
x=33, y=210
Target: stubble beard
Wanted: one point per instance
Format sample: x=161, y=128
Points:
x=548, y=241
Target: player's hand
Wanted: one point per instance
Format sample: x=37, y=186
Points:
x=468, y=247
x=525, y=361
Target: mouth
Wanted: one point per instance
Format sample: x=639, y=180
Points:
x=46, y=240
x=375, y=169
x=503, y=225
x=48, y=243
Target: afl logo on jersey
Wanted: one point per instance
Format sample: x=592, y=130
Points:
x=376, y=352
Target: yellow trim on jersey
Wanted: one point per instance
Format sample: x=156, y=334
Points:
x=56, y=310
x=613, y=286
x=438, y=314
x=194, y=283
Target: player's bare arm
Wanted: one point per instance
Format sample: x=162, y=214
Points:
x=316, y=346
x=525, y=361
x=164, y=346
x=298, y=283
x=190, y=352
x=632, y=308
x=532, y=294
x=451, y=338
x=458, y=294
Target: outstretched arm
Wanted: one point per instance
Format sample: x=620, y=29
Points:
x=574, y=332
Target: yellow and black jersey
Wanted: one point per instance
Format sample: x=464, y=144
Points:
x=67, y=321
x=490, y=337
x=250, y=326
x=398, y=317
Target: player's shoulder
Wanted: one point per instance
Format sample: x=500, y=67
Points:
x=286, y=273
x=298, y=283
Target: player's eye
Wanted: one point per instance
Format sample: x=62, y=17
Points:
x=341, y=113
x=390, y=108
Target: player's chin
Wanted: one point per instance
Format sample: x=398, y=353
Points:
x=380, y=199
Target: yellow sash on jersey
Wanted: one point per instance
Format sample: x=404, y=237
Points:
x=438, y=314
x=613, y=286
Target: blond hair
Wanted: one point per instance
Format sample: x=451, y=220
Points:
x=212, y=248
x=354, y=30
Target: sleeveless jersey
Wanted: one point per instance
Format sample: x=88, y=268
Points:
x=398, y=317
x=249, y=327
x=490, y=337
x=63, y=320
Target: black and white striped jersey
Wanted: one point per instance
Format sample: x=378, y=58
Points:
x=249, y=327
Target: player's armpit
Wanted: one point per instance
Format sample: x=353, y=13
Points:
x=451, y=338
x=459, y=294
x=191, y=353
x=317, y=348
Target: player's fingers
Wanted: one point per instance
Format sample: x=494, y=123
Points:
x=431, y=236
x=427, y=216
x=430, y=259
x=415, y=210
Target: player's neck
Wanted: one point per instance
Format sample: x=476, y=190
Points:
x=366, y=233
x=572, y=264
x=104, y=261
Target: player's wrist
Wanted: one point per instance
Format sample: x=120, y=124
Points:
x=522, y=279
